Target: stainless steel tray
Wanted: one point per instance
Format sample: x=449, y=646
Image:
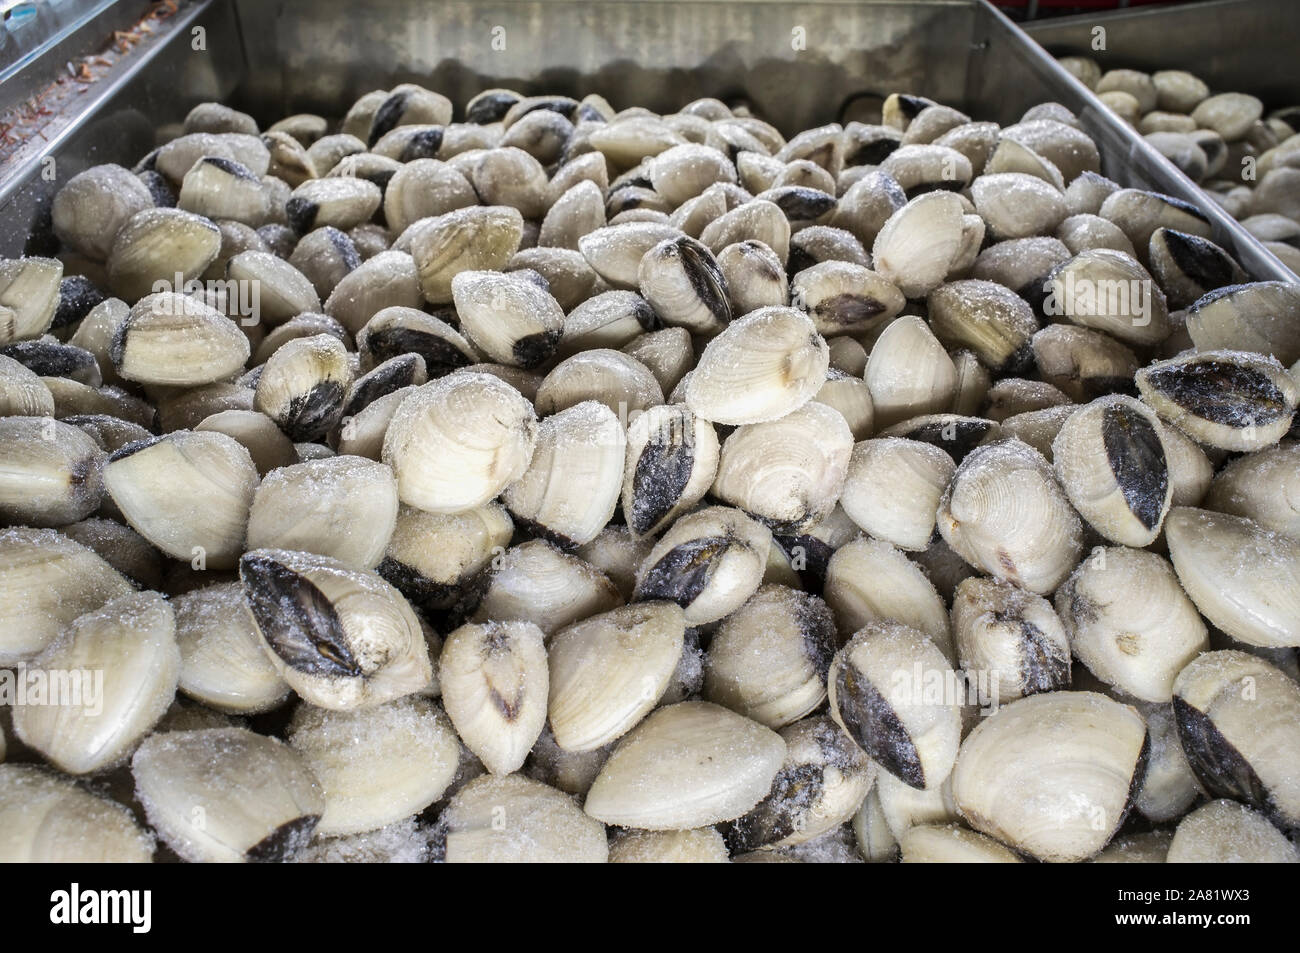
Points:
x=273, y=58
x=1243, y=46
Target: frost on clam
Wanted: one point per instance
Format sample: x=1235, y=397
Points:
x=602, y=485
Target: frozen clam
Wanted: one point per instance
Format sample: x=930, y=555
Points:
x=223, y=664
x=1109, y=291
x=763, y=366
x=869, y=581
x=1083, y=363
x=378, y=765
x=687, y=765
x=93, y=205
x=611, y=319
x=708, y=562
x=684, y=284
x=891, y=690
x=741, y=667
x=845, y=298
x=508, y=317
x=119, y=665
x=434, y=558
x=850, y=396
x=1009, y=637
x=299, y=507
x=303, y=384
x=1053, y=774
x=902, y=807
x=918, y=242
x=1236, y=718
x=909, y=373
x=1110, y=459
x=572, y=485
x=703, y=845
x=786, y=472
x=1241, y=575
x=672, y=459
x=892, y=489
x=22, y=393
x=1005, y=514
x=514, y=819
x=536, y=582
x=1263, y=486
x=157, y=244
x=617, y=380
x=174, y=339
x=607, y=672
x=478, y=238
x=1018, y=205
x=51, y=474
x=755, y=277
x=1139, y=214
x=399, y=331
x=1130, y=622
x=219, y=188
x=1226, y=832
x=494, y=681
x=194, y=786
x=283, y=291
x=1234, y=400
x=49, y=818
x=1262, y=316
x=456, y=442
x=342, y=638
x=824, y=778
x=1170, y=786
x=1188, y=266
x=876, y=844
x=188, y=493
x=989, y=319
x=47, y=581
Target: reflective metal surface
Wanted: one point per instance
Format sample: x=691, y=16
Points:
x=117, y=119
x=796, y=64
x=1234, y=45
x=1246, y=46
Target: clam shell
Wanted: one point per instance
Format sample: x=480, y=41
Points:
x=133, y=640
x=607, y=672
x=768, y=659
x=514, y=819
x=763, y=366
x=184, y=776
x=572, y=484
x=1052, y=775
x=892, y=489
x=455, y=443
x=1242, y=577
x=223, y=664
x=1011, y=636
x=341, y=638
x=687, y=765
x=48, y=818
x=883, y=694
x=1005, y=514
x=1236, y=719
x=1223, y=832
x=1136, y=643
